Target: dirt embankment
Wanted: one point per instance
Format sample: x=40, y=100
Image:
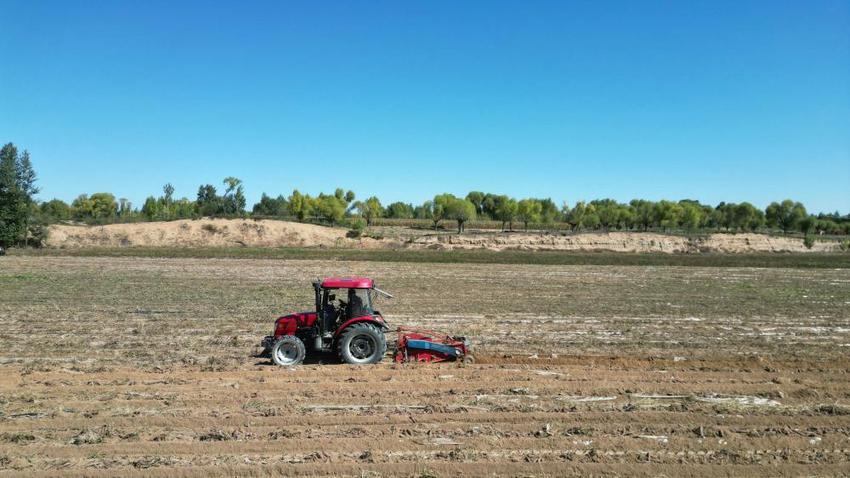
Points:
x=270, y=233
x=623, y=242
x=202, y=233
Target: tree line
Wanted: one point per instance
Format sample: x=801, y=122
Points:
x=23, y=218
x=601, y=214
x=608, y=214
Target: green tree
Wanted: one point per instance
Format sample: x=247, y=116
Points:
x=125, y=208
x=344, y=196
x=269, y=206
x=477, y=198
x=18, y=208
x=104, y=206
x=458, y=209
x=490, y=203
x=168, y=193
x=26, y=176
x=442, y=203
x=152, y=209
x=81, y=206
x=370, y=209
x=504, y=209
x=827, y=226
x=331, y=208
x=26, y=183
x=690, y=215
x=424, y=211
x=399, y=210
x=747, y=217
x=564, y=213
x=208, y=201
x=300, y=205
x=575, y=216
x=626, y=218
x=608, y=212
x=807, y=224
x=14, y=202
x=529, y=210
x=785, y=215
x=234, y=196
x=437, y=208
x=724, y=216
x=166, y=208
x=668, y=214
x=591, y=217
x=56, y=210
x=643, y=213
x=548, y=211
x=184, y=208
x=99, y=207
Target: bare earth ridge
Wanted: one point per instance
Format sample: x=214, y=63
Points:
x=271, y=233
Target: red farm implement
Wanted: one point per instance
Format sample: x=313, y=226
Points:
x=416, y=345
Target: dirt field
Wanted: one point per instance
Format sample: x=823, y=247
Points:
x=270, y=233
x=146, y=367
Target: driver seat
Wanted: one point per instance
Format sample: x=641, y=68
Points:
x=329, y=314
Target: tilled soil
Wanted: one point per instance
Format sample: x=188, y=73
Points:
x=149, y=367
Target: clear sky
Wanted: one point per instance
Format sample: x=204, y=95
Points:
x=709, y=100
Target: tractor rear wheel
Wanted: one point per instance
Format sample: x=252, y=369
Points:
x=362, y=344
x=288, y=351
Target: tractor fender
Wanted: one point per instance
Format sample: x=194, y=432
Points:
x=375, y=320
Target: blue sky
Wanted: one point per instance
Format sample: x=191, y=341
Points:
x=709, y=100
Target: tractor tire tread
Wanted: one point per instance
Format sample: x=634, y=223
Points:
x=352, y=330
x=299, y=345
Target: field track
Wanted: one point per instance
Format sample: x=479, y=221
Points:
x=148, y=367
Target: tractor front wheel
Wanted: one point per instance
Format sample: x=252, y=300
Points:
x=288, y=351
x=362, y=344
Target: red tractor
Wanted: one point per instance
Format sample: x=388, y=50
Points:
x=346, y=323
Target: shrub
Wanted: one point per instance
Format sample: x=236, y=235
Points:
x=87, y=437
x=17, y=437
x=809, y=241
x=357, y=225
x=211, y=228
x=37, y=234
x=829, y=409
x=844, y=245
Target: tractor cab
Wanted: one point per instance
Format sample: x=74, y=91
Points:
x=342, y=300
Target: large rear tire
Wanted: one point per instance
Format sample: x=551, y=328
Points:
x=362, y=344
x=288, y=351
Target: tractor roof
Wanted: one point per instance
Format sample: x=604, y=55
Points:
x=347, y=283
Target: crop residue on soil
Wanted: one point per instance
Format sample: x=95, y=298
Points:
x=146, y=367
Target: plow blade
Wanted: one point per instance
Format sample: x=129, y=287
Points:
x=428, y=346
